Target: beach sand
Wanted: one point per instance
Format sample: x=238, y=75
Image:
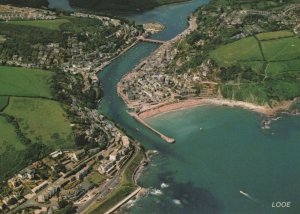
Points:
x=189, y=103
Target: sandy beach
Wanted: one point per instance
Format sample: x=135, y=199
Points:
x=147, y=111
x=190, y=103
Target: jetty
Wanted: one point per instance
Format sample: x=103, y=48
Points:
x=162, y=136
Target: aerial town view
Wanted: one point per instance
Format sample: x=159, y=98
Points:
x=149, y=106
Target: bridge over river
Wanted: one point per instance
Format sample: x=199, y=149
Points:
x=143, y=39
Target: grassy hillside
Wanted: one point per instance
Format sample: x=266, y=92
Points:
x=8, y=136
x=276, y=78
x=49, y=24
x=274, y=35
x=242, y=50
x=281, y=49
x=42, y=121
x=10, y=148
x=250, y=48
x=2, y=39
x=25, y=82
x=120, y=5
x=30, y=126
x=3, y=102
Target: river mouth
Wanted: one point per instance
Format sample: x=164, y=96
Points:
x=219, y=151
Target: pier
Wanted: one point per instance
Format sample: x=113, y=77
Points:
x=164, y=137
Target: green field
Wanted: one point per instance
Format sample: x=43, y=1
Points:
x=10, y=149
x=49, y=24
x=8, y=136
x=256, y=66
x=3, y=102
x=281, y=49
x=96, y=178
x=274, y=35
x=274, y=77
x=281, y=68
x=2, y=39
x=242, y=50
x=36, y=124
x=123, y=5
x=25, y=82
x=42, y=121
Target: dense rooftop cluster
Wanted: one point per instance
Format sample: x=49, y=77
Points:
x=66, y=175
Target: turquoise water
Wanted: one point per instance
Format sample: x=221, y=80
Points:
x=205, y=169
x=230, y=153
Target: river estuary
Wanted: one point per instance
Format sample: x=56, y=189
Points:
x=219, y=152
x=222, y=161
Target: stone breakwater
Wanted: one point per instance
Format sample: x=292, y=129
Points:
x=164, y=137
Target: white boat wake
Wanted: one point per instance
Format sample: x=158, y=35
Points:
x=248, y=196
x=177, y=202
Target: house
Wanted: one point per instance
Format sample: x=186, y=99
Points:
x=82, y=173
x=40, y=187
x=114, y=155
x=78, y=155
x=56, y=154
x=41, y=199
x=51, y=191
x=13, y=182
x=125, y=141
x=27, y=173
x=43, y=210
x=104, y=167
x=94, y=151
x=112, y=170
x=121, y=162
x=9, y=200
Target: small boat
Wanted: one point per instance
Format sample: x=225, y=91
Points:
x=243, y=193
x=201, y=129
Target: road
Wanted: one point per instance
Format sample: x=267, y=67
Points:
x=100, y=193
x=105, y=189
x=58, y=182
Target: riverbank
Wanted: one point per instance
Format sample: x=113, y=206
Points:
x=191, y=103
x=147, y=63
x=115, y=6
x=158, y=54
x=121, y=52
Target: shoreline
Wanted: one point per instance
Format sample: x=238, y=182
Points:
x=107, y=63
x=162, y=136
x=192, y=103
x=148, y=111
